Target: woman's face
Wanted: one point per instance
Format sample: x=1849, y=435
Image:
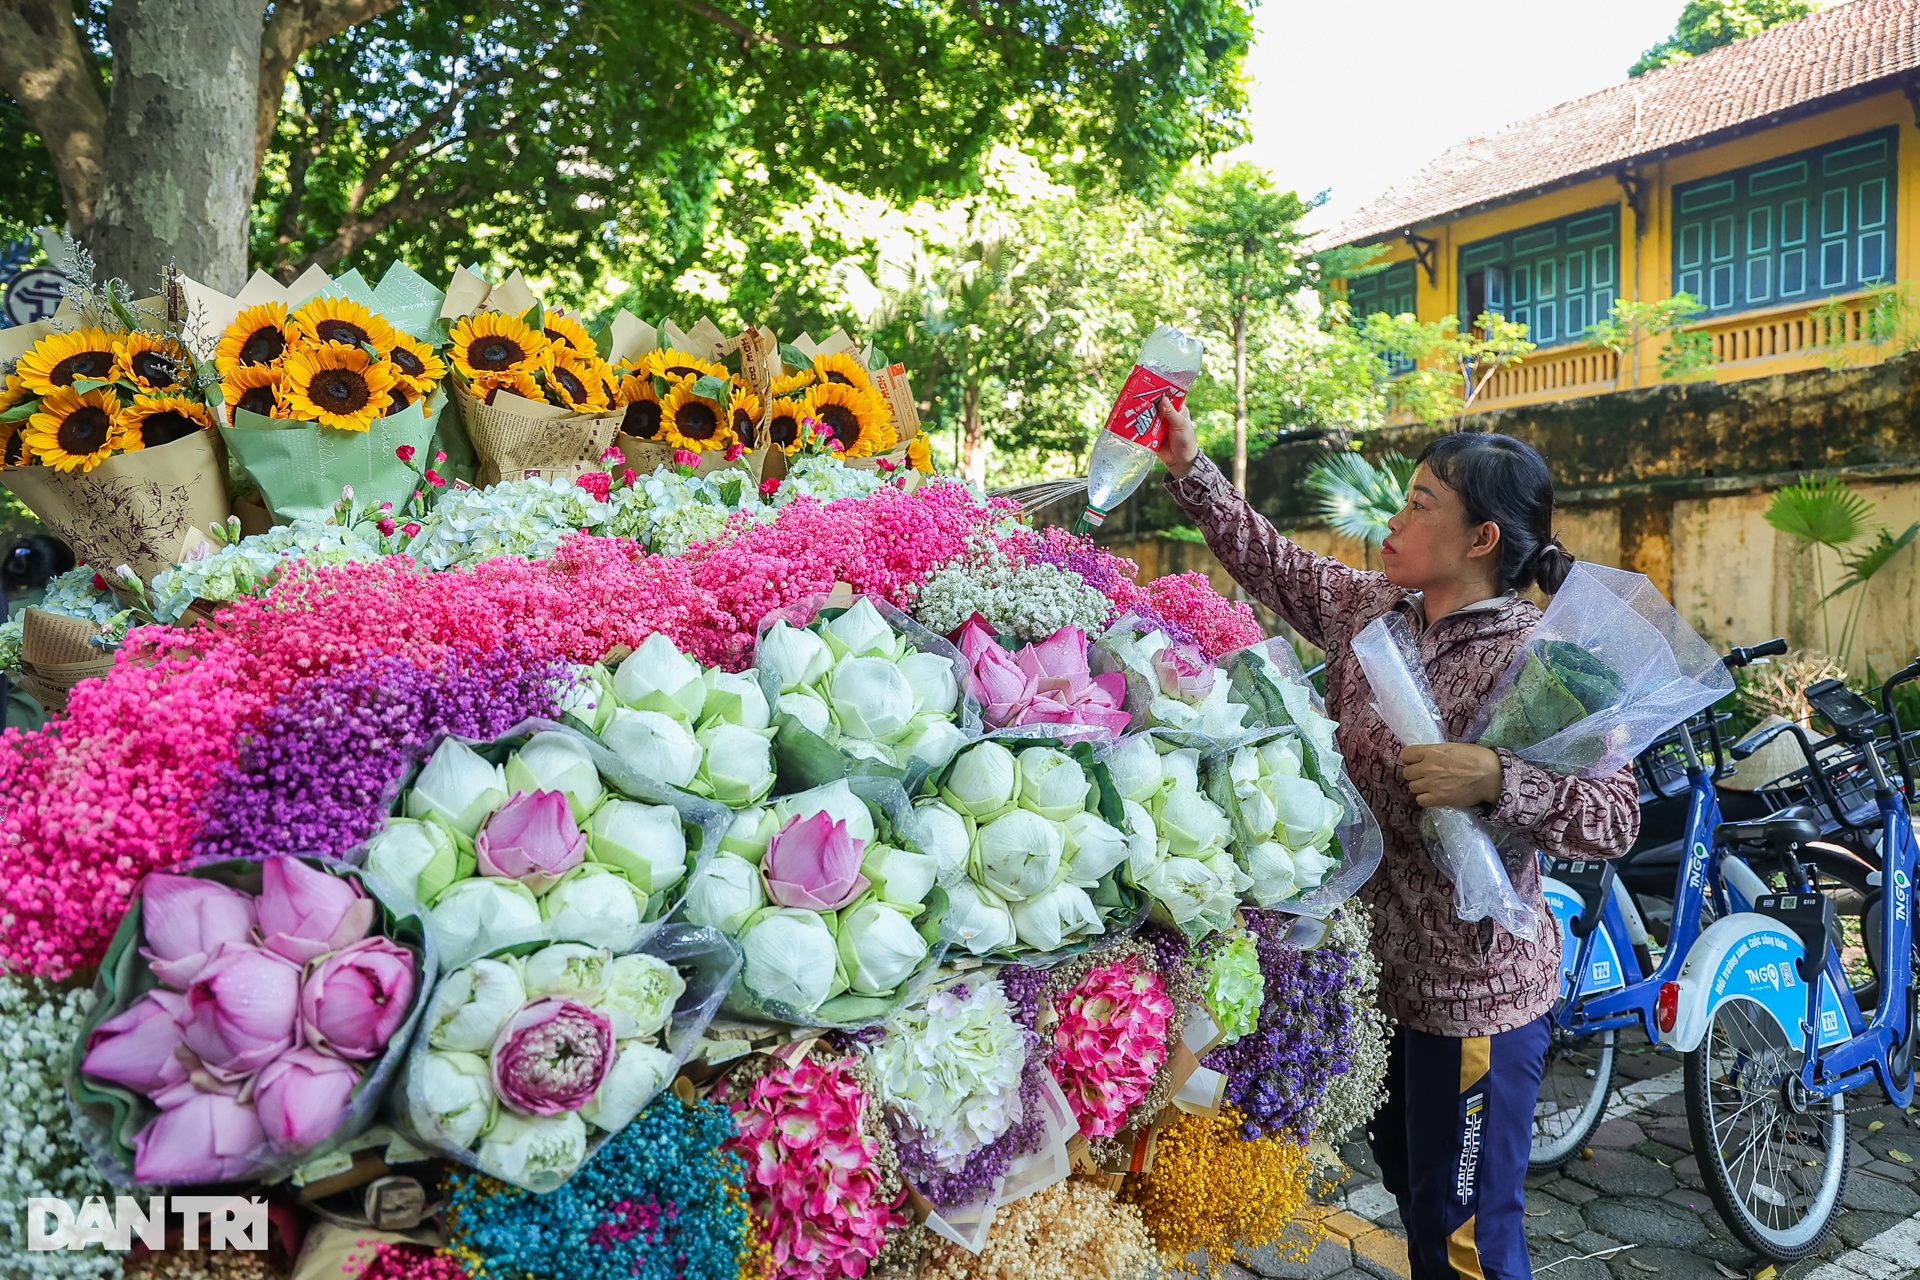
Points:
x=1430, y=541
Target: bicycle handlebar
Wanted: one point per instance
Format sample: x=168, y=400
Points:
x=1739, y=657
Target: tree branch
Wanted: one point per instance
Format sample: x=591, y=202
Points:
x=46, y=68
x=351, y=235
x=295, y=27
x=750, y=35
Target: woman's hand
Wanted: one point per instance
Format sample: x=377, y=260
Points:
x=1181, y=446
x=1452, y=775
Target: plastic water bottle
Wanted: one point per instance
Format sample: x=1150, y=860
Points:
x=1123, y=456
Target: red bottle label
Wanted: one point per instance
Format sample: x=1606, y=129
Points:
x=1135, y=413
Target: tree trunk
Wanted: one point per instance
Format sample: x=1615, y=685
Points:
x=177, y=180
x=1240, y=397
x=973, y=452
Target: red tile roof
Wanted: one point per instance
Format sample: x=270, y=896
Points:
x=1839, y=51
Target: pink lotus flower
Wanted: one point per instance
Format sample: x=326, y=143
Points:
x=200, y=1135
x=302, y=1098
x=305, y=913
x=185, y=921
x=138, y=1048
x=353, y=1001
x=531, y=838
x=240, y=1010
x=551, y=1057
x=1184, y=672
x=1069, y=692
x=813, y=862
x=993, y=676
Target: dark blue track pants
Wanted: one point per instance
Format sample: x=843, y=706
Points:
x=1452, y=1144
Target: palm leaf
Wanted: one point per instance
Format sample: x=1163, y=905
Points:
x=1824, y=512
x=1358, y=497
x=1862, y=565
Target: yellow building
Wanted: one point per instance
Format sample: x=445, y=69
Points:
x=1777, y=180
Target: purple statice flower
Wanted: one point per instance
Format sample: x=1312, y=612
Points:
x=952, y=1189
x=1152, y=621
x=1279, y=1072
x=320, y=772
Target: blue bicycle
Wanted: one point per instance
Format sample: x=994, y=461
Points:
x=1608, y=980
x=1773, y=1035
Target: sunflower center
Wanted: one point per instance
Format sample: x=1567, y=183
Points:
x=16, y=449
x=642, y=419
x=575, y=389
x=743, y=426
x=263, y=346
x=156, y=369
x=165, y=427
x=682, y=371
x=495, y=353
x=696, y=421
x=81, y=364
x=339, y=391
x=845, y=426
x=335, y=330
x=410, y=364
x=258, y=400
x=557, y=338
x=784, y=429
x=834, y=375
x=398, y=399
x=84, y=431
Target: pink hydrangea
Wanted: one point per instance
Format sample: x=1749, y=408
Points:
x=1110, y=1042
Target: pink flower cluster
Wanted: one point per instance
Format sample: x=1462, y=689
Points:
x=1110, y=1042
x=812, y=1170
x=1047, y=682
x=1218, y=624
x=251, y=1044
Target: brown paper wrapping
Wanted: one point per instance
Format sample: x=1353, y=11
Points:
x=135, y=508
x=517, y=438
x=57, y=653
x=650, y=455
x=253, y=515
x=331, y=1252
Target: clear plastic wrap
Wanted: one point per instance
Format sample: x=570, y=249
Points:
x=706, y=961
x=1463, y=849
x=106, y=1116
x=1609, y=668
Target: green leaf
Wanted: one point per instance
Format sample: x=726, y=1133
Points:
x=1826, y=513
x=1862, y=565
x=21, y=411
x=1357, y=497
x=84, y=385
x=660, y=387
x=792, y=357
x=708, y=387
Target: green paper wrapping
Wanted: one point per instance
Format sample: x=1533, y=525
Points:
x=301, y=467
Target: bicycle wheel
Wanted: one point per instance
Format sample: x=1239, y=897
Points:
x=1774, y=1173
x=1573, y=1097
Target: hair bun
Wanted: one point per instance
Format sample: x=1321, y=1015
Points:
x=1551, y=565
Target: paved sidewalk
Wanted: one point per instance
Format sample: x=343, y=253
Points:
x=1633, y=1206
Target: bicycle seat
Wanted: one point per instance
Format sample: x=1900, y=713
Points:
x=1795, y=824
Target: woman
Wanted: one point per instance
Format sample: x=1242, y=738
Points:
x=1470, y=1000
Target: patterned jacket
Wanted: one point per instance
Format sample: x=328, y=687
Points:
x=1439, y=974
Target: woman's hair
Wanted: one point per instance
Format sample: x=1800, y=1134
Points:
x=1506, y=481
x=33, y=562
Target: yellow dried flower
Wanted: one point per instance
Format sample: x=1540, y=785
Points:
x=1073, y=1230
x=1213, y=1191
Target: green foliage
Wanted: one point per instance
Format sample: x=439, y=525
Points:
x=1358, y=497
x=1685, y=355
x=1888, y=326
x=1709, y=24
x=1242, y=236
x=1451, y=368
x=1831, y=514
x=1863, y=564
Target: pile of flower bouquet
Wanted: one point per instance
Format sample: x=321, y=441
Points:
x=814, y=872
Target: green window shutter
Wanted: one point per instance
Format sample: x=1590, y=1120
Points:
x=1557, y=278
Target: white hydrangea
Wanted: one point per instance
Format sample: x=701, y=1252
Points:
x=668, y=512
x=251, y=565
x=39, y=1154
x=951, y=1066
x=71, y=595
x=825, y=478
x=1031, y=601
x=524, y=518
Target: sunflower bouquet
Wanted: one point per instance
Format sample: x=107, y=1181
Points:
x=681, y=404
x=104, y=429
x=829, y=399
x=323, y=381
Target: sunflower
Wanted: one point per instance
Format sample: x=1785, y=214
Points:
x=342, y=321
x=564, y=331
x=784, y=425
x=791, y=384
x=13, y=445
x=843, y=369
x=157, y=420
x=337, y=386
x=258, y=336
x=693, y=422
x=643, y=416
x=859, y=420
x=678, y=366
x=255, y=388
x=580, y=382
x=419, y=368
x=154, y=365
x=492, y=349
x=76, y=430
x=920, y=454
x=399, y=398
x=57, y=359
x=743, y=409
